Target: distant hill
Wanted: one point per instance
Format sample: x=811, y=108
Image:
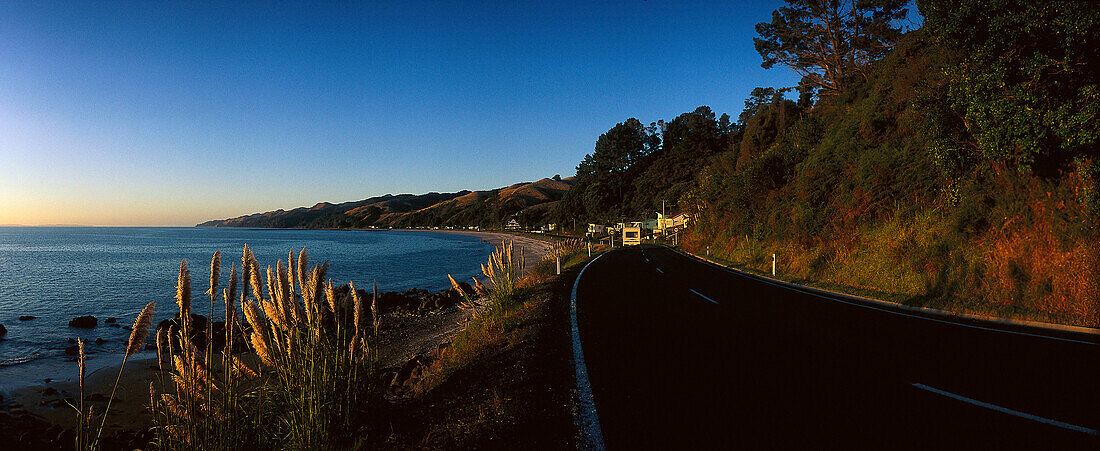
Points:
x=527, y=202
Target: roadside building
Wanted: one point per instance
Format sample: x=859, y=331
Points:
x=671, y=223
x=512, y=224
x=596, y=229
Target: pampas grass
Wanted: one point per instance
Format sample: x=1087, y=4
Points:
x=315, y=367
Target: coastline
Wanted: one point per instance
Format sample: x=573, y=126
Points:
x=42, y=406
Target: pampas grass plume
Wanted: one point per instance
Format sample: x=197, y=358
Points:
x=183, y=291
x=141, y=329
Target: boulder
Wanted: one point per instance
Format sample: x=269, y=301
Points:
x=100, y=341
x=196, y=331
x=110, y=320
x=84, y=322
x=3, y=330
x=27, y=318
x=72, y=350
x=217, y=342
x=391, y=299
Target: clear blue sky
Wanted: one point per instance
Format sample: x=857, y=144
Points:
x=171, y=113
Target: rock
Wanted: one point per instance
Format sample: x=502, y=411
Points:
x=72, y=350
x=196, y=329
x=27, y=318
x=49, y=391
x=47, y=380
x=3, y=330
x=84, y=322
x=100, y=341
x=110, y=320
x=116, y=326
x=72, y=341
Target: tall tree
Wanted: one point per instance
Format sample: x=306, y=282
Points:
x=830, y=41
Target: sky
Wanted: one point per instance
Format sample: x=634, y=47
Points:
x=174, y=113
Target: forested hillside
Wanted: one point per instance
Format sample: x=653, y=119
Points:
x=954, y=165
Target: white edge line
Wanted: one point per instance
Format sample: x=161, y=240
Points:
x=1017, y=413
x=586, y=420
x=794, y=287
x=712, y=301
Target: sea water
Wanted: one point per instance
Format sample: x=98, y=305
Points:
x=58, y=273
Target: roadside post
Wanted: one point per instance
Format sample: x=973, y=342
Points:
x=589, y=248
x=773, y=264
x=557, y=260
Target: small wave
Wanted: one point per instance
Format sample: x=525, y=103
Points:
x=19, y=360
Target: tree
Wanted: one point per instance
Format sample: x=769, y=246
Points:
x=829, y=41
x=617, y=149
x=1025, y=86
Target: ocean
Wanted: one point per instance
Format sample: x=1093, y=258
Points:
x=58, y=273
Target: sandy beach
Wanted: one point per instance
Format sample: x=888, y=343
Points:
x=533, y=249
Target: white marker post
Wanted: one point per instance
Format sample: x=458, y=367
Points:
x=589, y=249
x=557, y=259
x=773, y=264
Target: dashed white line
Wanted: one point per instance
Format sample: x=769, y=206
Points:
x=712, y=301
x=1017, y=413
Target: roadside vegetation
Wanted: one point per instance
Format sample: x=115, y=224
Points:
x=953, y=166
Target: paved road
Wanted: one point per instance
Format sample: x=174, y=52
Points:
x=686, y=354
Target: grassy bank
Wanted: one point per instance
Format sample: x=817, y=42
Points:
x=921, y=259
x=506, y=379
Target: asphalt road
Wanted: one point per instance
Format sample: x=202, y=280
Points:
x=683, y=354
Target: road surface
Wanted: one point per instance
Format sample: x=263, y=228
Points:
x=684, y=354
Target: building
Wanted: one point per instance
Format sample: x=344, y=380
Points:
x=512, y=224
x=671, y=223
x=596, y=229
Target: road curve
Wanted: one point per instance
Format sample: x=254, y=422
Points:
x=682, y=353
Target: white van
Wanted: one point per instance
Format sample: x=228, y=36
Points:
x=632, y=236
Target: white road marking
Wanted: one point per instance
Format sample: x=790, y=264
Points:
x=712, y=301
x=586, y=419
x=1017, y=413
x=659, y=270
